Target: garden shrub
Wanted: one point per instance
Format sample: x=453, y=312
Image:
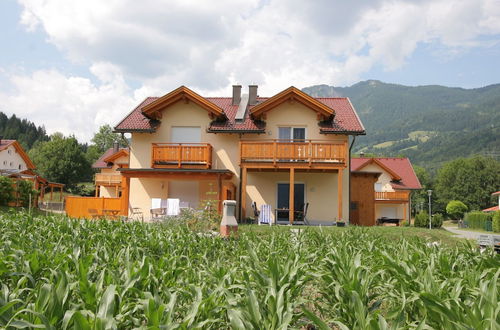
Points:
x=422, y=219
x=6, y=190
x=478, y=220
x=24, y=189
x=496, y=222
x=437, y=220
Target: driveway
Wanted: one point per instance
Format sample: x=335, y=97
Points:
x=465, y=233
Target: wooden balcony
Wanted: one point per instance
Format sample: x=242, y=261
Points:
x=391, y=195
x=181, y=155
x=107, y=179
x=280, y=153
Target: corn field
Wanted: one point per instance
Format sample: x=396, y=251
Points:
x=58, y=273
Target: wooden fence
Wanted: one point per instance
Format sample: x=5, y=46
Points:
x=89, y=207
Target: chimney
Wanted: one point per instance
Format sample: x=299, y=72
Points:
x=252, y=94
x=116, y=146
x=236, y=94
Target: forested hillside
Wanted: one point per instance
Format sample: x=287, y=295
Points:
x=429, y=124
x=22, y=130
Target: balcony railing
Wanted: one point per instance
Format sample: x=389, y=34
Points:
x=391, y=195
x=179, y=155
x=279, y=151
x=108, y=178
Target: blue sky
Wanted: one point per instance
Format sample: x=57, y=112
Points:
x=75, y=65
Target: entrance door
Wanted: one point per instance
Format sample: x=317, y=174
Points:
x=284, y=199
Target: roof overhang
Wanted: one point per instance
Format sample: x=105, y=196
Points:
x=153, y=110
x=178, y=173
x=21, y=152
x=292, y=94
x=393, y=174
x=111, y=158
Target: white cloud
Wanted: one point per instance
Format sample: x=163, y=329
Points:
x=210, y=45
x=71, y=105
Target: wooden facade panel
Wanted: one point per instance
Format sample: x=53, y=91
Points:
x=362, y=206
x=81, y=207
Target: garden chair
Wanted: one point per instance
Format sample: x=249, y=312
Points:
x=302, y=215
x=137, y=214
x=173, y=206
x=256, y=211
x=265, y=215
x=158, y=213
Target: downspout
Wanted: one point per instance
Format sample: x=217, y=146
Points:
x=239, y=199
x=349, y=209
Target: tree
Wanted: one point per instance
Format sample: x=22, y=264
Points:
x=102, y=141
x=6, y=190
x=456, y=209
x=419, y=197
x=105, y=138
x=61, y=159
x=470, y=180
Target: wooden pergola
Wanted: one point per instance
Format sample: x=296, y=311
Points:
x=52, y=185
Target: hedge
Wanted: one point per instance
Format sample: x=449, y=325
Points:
x=478, y=220
x=496, y=222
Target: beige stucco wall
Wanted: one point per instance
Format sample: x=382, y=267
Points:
x=105, y=191
x=144, y=189
x=385, y=178
x=10, y=159
x=320, y=193
x=402, y=210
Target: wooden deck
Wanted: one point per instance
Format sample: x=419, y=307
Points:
x=286, y=154
x=107, y=179
x=392, y=195
x=181, y=155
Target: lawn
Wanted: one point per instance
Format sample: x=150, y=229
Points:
x=62, y=273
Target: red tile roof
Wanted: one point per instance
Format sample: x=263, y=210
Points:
x=401, y=166
x=346, y=120
x=5, y=143
x=100, y=163
x=496, y=193
x=491, y=209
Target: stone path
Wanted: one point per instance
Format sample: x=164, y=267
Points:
x=465, y=233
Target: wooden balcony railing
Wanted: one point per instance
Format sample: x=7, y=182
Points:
x=179, y=155
x=278, y=151
x=391, y=195
x=101, y=179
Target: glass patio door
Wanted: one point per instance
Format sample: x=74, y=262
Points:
x=284, y=199
x=292, y=134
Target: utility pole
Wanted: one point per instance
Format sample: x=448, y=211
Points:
x=429, y=192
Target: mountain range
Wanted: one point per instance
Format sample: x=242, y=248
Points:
x=429, y=124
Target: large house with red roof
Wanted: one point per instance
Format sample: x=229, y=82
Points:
x=287, y=151
x=393, y=183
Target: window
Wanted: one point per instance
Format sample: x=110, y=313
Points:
x=20, y=166
x=378, y=187
x=9, y=151
x=10, y=164
x=295, y=134
x=5, y=162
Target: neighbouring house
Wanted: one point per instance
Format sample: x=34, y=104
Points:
x=494, y=208
x=16, y=164
x=288, y=151
x=108, y=181
x=381, y=190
